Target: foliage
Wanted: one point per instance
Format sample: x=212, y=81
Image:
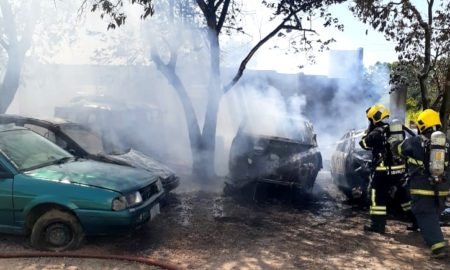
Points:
x=421, y=40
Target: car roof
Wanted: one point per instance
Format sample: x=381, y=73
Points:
x=10, y=127
x=52, y=121
x=107, y=103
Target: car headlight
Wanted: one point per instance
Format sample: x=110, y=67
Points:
x=119, y=203
x=130, y=200
x=133, y=198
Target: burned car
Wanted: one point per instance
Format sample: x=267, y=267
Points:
x=125, y=124
x=82, y=142
x=351, y=165
x=281, y=153
x=57, y=198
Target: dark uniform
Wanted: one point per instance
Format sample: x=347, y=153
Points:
x=428, y=197
x=387, y=173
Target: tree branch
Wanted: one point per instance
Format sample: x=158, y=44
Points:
x=203, y=6
x=223, y=15
x=216, y=7
x=291, y=27
x=249, y=56
x=9, y=22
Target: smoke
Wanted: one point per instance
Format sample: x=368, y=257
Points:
x=144, y=105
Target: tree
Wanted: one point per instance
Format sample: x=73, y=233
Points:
x=31, y=29
x=215, y=16
x=423, y=41
x=15, y=44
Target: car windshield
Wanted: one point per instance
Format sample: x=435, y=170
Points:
x=88, y=140
x=28, y=150
x=285, y=127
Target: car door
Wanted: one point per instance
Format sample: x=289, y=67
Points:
x=6, y=201
x=339, y=157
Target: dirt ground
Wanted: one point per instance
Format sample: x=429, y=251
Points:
x=203, y=230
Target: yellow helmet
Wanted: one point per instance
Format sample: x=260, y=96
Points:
x=428, y=119
x=377, y=112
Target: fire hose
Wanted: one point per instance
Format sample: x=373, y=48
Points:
x=142, y=260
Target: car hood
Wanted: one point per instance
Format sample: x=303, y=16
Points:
x=98, y=174
x=139, y=160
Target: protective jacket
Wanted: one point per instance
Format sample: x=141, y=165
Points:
x=428, y=197
x=416, y=153
x=387, y=173
x=382, y=157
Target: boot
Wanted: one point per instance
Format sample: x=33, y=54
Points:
x=377, y=224
x=440, y=253
x=414, y=227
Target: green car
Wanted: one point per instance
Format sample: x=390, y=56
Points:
x=57, y=199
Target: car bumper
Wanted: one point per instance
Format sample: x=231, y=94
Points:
x=170, y=183
x=96, y=222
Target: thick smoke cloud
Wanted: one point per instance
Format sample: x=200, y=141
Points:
x=117, y=64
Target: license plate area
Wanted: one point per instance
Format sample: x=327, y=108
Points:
x=154, y=211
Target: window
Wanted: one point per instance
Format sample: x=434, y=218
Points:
x=27, y=150
x=42, y=131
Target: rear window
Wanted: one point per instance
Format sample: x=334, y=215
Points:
x=88, y=140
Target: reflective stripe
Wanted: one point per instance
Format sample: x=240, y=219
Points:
x=415, y=161
x=378, y=208
x=364, y=142
x=399, y=148
x=393, y=168
x=378, y=213
x=372, y=197
x=375, y=209
x=406, y=204
x=425, y=192
x=408, y=208
x=438, y=245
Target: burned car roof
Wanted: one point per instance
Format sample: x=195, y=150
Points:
x=107, y=103
x=291, y=128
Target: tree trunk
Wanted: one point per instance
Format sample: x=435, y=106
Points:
x=11, y=80
x=206, y=168
x=423, y=91
x=445, y=108
x=16, y=50
x=172, y=77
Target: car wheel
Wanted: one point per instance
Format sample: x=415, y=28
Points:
x=56, y=231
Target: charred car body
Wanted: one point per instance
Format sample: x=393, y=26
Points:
x=283, y=153
x=82, y=142
x=351, y=165
x=125, y=125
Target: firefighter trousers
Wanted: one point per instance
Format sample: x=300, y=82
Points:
x=381, y=186
x=427, y=209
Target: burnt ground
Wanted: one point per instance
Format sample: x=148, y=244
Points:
x=204, y=230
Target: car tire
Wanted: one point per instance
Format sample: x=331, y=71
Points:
x=56, y=230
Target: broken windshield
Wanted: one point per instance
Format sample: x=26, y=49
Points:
x=28, y=150
x=86, y=139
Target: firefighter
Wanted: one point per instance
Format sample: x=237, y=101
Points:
x=427, y=156
x=388, y=172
